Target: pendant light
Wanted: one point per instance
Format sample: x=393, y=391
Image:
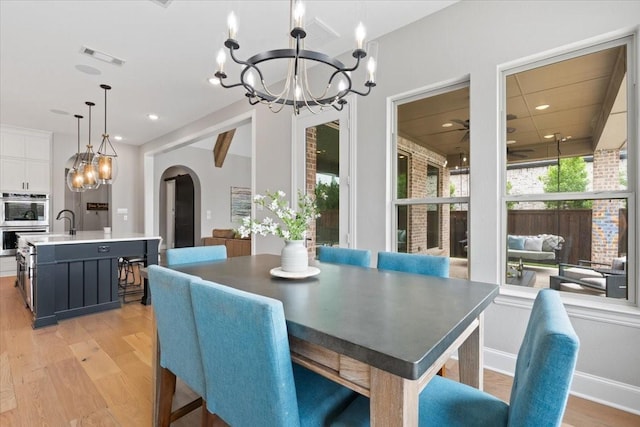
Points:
x=75, y=179
x=107, y=156
x=89, y=165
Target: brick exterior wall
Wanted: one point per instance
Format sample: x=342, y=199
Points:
x=418, y=187
x=605, y=213
x=310, y=184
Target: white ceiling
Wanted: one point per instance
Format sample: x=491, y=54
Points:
x=169, y=53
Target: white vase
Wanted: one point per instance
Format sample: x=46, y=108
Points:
x=294, y=257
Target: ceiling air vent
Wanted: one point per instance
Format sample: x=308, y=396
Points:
x=163, y=3
x=96, y=54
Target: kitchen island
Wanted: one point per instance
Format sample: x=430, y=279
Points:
x=73, y=275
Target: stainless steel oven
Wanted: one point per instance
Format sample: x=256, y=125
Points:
x=22, y=210
x=9, y=237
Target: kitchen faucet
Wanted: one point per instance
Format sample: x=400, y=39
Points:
x=72, y=220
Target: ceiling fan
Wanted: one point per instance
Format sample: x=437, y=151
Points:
x=518, y=153
x=466, y=126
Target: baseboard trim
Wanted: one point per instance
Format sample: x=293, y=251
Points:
x=597, y=389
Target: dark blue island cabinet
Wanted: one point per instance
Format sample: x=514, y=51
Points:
x=73, y=278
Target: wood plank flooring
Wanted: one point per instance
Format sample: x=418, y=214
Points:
x=96, y=370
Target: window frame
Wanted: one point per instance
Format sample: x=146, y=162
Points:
x=630, y=194
x=394, y=202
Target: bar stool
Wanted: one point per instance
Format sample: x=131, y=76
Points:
x=130, y=283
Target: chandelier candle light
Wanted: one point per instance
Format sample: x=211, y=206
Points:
x=89, y=163
x=75, y=178
x=297, y=91
x=107, y=156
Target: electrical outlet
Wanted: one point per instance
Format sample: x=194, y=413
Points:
x=208, y=214
x=125, y=217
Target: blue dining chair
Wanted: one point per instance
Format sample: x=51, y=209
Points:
x=176, y=256
x=429, y=265
x=335, y=255
x=178, y=341
x=544, y=368
x=247, y=364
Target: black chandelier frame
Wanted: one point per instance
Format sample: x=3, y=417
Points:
x=256, y=96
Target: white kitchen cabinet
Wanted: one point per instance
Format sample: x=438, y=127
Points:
x=7, y=265
x=25, y=160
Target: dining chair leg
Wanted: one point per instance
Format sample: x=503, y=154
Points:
x=167, y=388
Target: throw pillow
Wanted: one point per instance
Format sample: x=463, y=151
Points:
x=550, y=242
x=533, y=244
x=515, y=242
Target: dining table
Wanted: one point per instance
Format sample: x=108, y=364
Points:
x=383, y=334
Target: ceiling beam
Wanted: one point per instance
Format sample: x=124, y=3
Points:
x=222, y=146
x=617, y=77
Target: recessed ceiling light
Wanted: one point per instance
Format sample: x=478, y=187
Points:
x=61, y=112
x=117, y=137
x=87, y=69
x=154, y=117
x=447, y=125
x=542, y=107
x=214, y=81
x=549, y=136
x=511, y=141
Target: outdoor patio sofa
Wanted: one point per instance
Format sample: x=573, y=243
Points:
x=593, y=278
x=543, y=248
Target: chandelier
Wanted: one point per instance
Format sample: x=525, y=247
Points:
x=106, y=155
x=75, y=178
x=297, y=91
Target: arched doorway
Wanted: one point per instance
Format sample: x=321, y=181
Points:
x=179, y=207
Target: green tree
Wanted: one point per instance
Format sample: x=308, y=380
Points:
x=402, y=185
x=328, y=196
x=510, y=205
x=573, y=177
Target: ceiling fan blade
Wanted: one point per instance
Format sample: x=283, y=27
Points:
x=511, y=116
x=464, y=123
x=465, y=137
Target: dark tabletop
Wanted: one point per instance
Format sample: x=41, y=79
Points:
x=397, y=322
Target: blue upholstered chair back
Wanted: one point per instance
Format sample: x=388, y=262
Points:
x=358, y=257
x=429, y=265
x=180, y=350
x=545, y=364
x=177, y=256
x=243, y=338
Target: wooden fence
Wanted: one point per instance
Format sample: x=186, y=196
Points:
x=574, y=225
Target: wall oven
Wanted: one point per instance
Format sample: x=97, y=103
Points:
x=24, y=210
x=9, y=237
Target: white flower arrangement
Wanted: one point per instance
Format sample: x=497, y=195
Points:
x=292, y=226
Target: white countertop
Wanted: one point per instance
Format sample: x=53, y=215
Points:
x=81, y=237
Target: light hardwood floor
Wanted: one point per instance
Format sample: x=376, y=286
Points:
x=96, y=370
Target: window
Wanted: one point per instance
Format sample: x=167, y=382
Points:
x=567, y=186
x=431, y=175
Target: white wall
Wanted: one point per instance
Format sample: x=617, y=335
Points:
x=469, y=39
x=475, y=39
x=215, y=183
